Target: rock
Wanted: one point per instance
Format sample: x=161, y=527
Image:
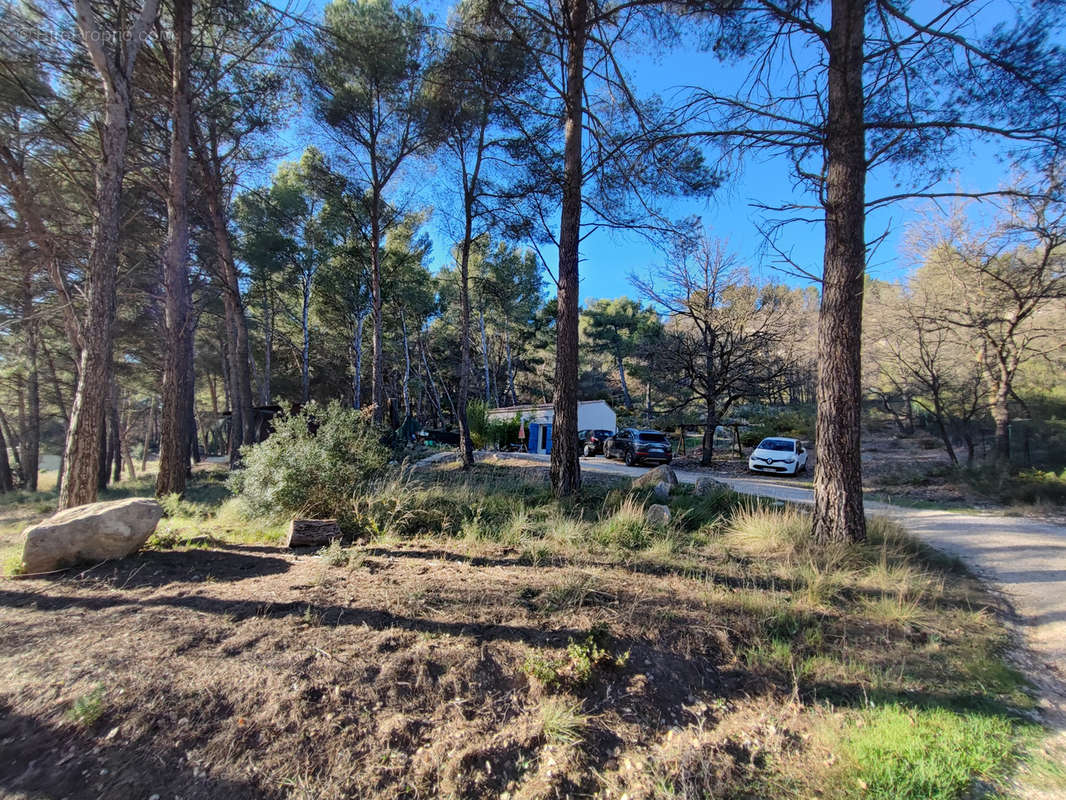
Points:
x=661, y=490
x=658, y=515
x=705, y=486
x=312, y=532
x=661, y=473
x=93, y=532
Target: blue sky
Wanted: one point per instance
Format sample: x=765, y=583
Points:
x=609, y=258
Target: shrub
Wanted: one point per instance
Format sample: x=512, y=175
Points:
x=313, y=463
x=490, y=433
x=478, y=421
x=626, y=528
x=88, y=708
x=576, y=669
x=766, y=421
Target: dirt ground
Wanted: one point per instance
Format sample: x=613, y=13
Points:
x=247, y=671
x=456, y=668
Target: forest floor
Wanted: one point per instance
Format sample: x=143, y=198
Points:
x=528, y=650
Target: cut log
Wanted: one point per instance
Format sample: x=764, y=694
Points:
x=312, y=532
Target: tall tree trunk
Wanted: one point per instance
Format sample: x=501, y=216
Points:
x=62, y=405
x=838, y=509
x=12, y=441
x=124, y=439
x=622, y=379
x=114, y=444
x=268, y=349
x=305, y=329
x=485, y=354
x=240, y=362
x=709, y=428
x=510, y=366
x=149, y=423
x=377, y=389
x=1000, y=410
x=565, y=463
x=103, y=463
x=190, y=396
x=30, y=424
x=7, y=483
x=466, y=441
x=86, y=429
x=174, y=439
x=431, y=385
x=405, y=385
x=357, y=361
x=238, y=409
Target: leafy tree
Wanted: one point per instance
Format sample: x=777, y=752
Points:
x=842, y=88
x=365, y=74
x=721, y=331
x=178, y=321
x=589, y=146
x=995, y=287
x=621, y=328
x=113, y=54
x=482, y=66
x=915, y=356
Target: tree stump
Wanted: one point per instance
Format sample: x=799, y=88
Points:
x=312, y=532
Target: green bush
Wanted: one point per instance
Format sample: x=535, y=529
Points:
x=490, y=433
x=313, y=464
x=477, y=419
x=1023, y=487
x=794, y=421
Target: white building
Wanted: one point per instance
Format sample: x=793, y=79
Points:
x=591, y=415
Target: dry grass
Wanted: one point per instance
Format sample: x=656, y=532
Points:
x=714, y=658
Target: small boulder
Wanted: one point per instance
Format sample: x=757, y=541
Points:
x=661, y=473
x=705, y=486
x=658, y=515
x=93, y=532
x=661, y=490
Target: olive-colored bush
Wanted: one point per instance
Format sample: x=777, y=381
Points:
x=313, y=464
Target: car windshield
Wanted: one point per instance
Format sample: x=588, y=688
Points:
x=651, y=437
x=781, y=445
x=601, y=433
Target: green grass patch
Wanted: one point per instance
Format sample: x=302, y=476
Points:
x=88, y=708
x=899, y=753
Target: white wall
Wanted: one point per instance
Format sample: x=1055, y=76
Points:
x=596, y=414
x=593, y=414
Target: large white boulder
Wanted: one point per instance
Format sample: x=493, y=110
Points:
x=93, y=532
x=661, y=473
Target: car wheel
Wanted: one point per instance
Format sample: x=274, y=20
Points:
x=630, y=461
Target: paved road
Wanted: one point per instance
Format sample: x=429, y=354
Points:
x=1024, y=558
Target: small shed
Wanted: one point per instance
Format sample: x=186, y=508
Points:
x=591, y=415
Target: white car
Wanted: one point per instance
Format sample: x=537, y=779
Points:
x=778, y=454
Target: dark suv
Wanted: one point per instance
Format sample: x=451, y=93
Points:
x=639, y=446
x=590, y=442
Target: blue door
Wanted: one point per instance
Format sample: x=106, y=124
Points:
x=547, y=438
x=534, y=437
